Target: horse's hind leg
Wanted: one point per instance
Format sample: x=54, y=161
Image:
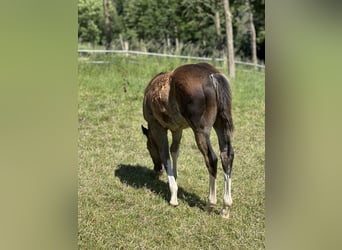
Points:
x=174, y=149
x=227, y=157
x=203, y=143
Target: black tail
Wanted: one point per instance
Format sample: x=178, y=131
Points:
x=224, y=99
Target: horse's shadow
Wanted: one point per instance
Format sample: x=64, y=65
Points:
x=142, y=177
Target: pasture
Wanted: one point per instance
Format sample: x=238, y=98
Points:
x=122, y=204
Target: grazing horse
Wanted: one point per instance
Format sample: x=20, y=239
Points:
x=196, y=96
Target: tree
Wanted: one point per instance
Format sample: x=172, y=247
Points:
x=252, y=33
x=108, y=29
x=258, y=9
x=217, y=20
x=190, y=27
x=89, y=21
x=219, y=43
x=229, y=39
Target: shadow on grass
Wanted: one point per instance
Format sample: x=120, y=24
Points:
x=139, y=177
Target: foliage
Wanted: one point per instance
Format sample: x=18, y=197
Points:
x=185, y=26
x=123, y=205
x=90, y=20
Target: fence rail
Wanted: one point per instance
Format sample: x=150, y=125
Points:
x=164, y=55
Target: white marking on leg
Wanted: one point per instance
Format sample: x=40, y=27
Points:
x=230, y=200
x=227, y=197
x=172, y=185
x=212, y=191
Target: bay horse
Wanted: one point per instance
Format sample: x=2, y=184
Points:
x=196, y=96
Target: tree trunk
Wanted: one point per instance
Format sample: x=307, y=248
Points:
x=126, y=44
x=177, y=40
x=168, y=42
x=253, y=38
x=108, y=30
x=121, y=42
x=229, y=34
x=217, y=20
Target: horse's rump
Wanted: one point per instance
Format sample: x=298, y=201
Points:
x=160, y=105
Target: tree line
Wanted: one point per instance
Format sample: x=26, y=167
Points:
x=190, y=27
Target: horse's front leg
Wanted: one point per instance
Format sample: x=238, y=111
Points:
x=172, y=184
x=165, y=156
x=174, y=149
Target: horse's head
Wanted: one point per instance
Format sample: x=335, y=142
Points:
x=153, y=150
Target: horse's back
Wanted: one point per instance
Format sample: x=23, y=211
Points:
x=193, y=75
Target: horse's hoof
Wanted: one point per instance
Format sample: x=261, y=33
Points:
x=225, y=213
x=174, y=203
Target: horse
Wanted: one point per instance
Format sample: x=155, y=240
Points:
x=196, y=96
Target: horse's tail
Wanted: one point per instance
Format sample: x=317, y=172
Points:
x=224, y=99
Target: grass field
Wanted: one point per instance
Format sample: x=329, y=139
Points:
x=123, y=205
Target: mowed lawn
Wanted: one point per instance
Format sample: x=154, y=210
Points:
x=122, y=204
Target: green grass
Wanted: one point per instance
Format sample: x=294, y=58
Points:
x=123, y=205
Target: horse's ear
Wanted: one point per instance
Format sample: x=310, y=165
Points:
x=144, y=130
